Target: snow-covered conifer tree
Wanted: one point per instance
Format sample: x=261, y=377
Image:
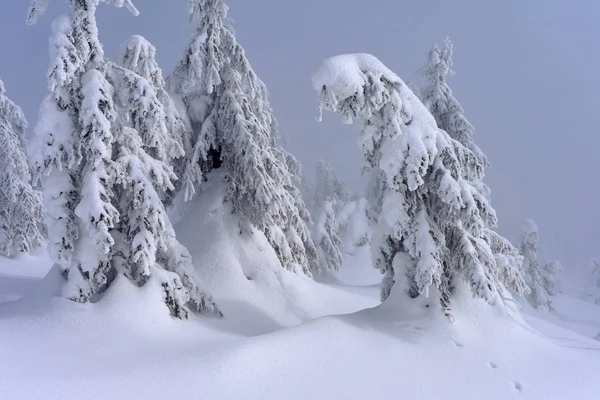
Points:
x=21, y=211
x=150, y=132
x=164, y=129
x=101, y=185
x=538, y=297
x=551, y=269
x=233, y=127
x=327, y=240
x=449, y=116
x=431, y=228
x=447, y=111
x=147, y=239
x=328, y=186
x=307, y=188
x=329, y=194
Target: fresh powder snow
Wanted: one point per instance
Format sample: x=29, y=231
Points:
x=126, y=346
x=159, y=240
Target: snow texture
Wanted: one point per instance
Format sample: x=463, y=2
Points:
x=538, y=296
x=124, y=346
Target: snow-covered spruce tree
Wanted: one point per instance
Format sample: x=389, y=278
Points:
x=146, y=239
x=551, y=269
x=329, y=186
x=431, y=228
x=537, y=297
x=307, y=188
x=447, y=111
x=292, y=188
x=449, y=116
x=233, y=127
x=101, y=186
x=509, y=261
x=149, y=138
x=329, y=194
x=162, y=128
x=327, y=240
x=21, y=211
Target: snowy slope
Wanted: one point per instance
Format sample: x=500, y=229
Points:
x=574, y=314
x=243, y=273
x=124, y=347
x=19, y=275
x=271, y=343
x=33, y=266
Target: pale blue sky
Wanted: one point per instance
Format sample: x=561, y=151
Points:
x=527, y=75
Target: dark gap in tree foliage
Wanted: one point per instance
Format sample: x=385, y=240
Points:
x=214, y=158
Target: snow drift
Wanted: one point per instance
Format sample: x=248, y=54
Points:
x=241, y=270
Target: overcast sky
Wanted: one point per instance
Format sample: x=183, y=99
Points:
x=527, y=74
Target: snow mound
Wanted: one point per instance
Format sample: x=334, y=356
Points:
x=21, y=275
x=126, y=347
x=241, y=270
x=34, y=265
x=345, y=74
x=575, y=314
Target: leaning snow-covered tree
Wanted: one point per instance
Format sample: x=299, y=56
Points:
x=537, y=297
x=551, y=269
x=21, y=211
x=233, y=128
x=449, y=116
x=430, y=234
x=101, y=185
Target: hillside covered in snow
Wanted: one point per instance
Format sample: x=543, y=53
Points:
x=125, y=346
x=159, y=240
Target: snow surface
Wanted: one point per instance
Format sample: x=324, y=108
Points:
x=33, y=266
x=271, y=344
x=243, y=273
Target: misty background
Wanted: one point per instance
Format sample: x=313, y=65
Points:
x=526, y=74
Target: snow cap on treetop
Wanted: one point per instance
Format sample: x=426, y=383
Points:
x=529, y=226
x=346, y=74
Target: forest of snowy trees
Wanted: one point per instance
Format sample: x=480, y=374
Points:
x=120, y=143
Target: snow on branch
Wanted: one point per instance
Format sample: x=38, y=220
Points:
x=343, y=78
